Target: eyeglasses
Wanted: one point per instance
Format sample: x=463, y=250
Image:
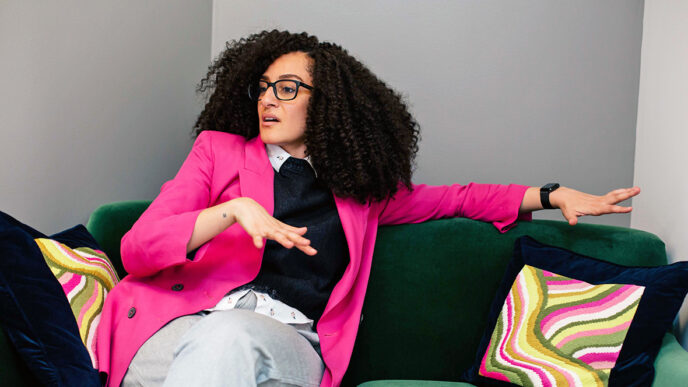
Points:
x=284, y=89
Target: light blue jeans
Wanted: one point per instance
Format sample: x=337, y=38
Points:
x=236, y=347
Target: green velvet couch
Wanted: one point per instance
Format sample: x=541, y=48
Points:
x=430, y=290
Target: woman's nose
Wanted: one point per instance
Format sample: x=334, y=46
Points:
x=269, y=98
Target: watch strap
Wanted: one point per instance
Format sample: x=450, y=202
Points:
x=545, y=190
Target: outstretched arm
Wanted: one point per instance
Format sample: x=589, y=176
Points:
x=574, y=204
x=494, y=203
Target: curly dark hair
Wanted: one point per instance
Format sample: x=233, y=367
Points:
x=360, y=136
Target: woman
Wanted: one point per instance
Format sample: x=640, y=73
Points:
x=251, y=265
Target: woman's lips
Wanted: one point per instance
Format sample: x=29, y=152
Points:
x=269, y=120
x=268, y=123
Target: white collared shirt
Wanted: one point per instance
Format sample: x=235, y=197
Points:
x=265, y=304
x=278, y=156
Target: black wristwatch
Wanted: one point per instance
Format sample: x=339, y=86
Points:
x=545, y=190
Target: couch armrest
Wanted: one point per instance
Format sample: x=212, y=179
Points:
x=108, y=224
x=671, y=365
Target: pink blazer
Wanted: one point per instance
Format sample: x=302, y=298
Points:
x=221, y=167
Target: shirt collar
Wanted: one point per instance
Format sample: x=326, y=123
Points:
x=278, y=156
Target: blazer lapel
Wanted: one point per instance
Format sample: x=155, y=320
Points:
x=255, y=181
x=354, y=218
x=256, y=177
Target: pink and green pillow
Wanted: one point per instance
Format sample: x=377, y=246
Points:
x=86, y=276
x=563, y=319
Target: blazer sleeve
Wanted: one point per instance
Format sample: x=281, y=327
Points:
x=159, y=237
x=494, y=203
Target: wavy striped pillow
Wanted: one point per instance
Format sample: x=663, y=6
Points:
x=558, y=331
x=563, y=319
x=86, y=276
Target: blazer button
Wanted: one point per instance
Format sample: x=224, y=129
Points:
x=132, y=312
x=177, y=287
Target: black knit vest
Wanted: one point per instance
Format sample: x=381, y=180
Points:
x=289, y=275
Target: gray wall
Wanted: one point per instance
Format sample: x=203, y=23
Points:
x=97, y=102
x=97, y=98
x=661, y=135
x=505, y=91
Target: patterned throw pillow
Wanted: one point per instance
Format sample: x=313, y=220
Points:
x=86, y=276
x=562, y=319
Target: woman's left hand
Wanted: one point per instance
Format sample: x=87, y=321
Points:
x=574, y=203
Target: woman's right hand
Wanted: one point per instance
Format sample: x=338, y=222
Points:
x=259, y=224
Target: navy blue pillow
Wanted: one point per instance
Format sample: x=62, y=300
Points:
x=36, y=316
x=650, y=312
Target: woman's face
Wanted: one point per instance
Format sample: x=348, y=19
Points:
x=288, y=131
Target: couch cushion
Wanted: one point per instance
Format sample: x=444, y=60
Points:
x=565, y=319
x=670, y=365
x=412, y=383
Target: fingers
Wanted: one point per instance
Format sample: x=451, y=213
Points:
x=289, y=236
x=619, y=195
x=308, y=250
x=570, y=217
x=576, y=204
x=281, y=238
x=292, y=239
x=260, y=225
x=286, y=236
x=619, y=209
x=297, y=230
x=258, y=241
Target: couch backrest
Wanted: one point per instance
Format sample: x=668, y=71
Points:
x=108, y=224
x=431, y=286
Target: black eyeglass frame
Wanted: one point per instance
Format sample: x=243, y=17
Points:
x=299, y=84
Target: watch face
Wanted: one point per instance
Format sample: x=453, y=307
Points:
x=550, y=186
